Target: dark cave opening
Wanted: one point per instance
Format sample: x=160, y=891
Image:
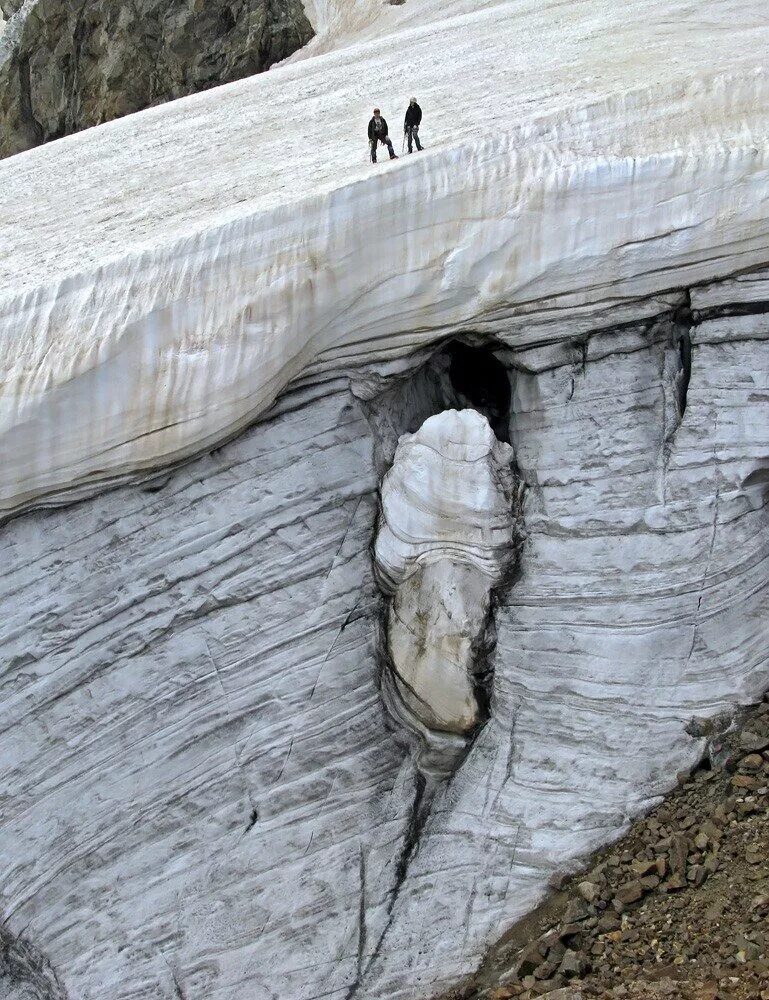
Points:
x=461, y=373
x=685, y=351
x=682, y=336
x=480, y=378
x=458, y=374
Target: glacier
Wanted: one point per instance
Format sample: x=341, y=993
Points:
x=131, y=297
x=217, y=320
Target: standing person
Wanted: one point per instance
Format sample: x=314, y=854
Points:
x=377, y=132
x=411, y=124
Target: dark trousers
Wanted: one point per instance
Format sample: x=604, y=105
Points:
x=386, y=141
x=412, y=132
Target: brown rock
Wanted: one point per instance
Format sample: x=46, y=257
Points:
x=547, y=940
x=701, y=841
x=705, y=991
x=630, y=892
x=589, y=891
x=548, y=968
x=529, y=960
x=608, y=922
x=643, y=867
x=746, y=781
x=679, y=850
x=572, y=964
x=753, y=742
x=576, y=910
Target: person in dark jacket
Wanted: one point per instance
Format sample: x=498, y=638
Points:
x=411, y=124
x=377, y=132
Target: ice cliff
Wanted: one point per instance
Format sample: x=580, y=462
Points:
x=217, y=322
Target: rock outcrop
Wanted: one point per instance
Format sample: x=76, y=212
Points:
x=205, y=792
x=66, y=66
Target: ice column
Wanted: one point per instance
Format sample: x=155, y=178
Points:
x=445, y=541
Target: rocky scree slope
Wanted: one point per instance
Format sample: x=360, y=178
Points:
x=677, y=908
x=66, y=65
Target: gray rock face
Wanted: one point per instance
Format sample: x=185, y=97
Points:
x=203, y=794
x=65, y=66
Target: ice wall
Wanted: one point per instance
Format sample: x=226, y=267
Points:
x=202, y=786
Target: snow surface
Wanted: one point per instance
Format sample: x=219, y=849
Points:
x=163, y=277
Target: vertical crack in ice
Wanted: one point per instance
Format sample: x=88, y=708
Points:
x=418, y=814
x=179, y=993
x=254, y=814
x=706, y=571
x=685, y=351
x=420, y=809
x=675, y=376
x=362, y=930
x=678, y=362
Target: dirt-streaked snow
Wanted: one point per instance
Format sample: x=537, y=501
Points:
x=164, y=276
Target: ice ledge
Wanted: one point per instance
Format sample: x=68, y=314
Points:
x=146, y=358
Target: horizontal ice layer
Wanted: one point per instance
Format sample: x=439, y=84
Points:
x=162, y=278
